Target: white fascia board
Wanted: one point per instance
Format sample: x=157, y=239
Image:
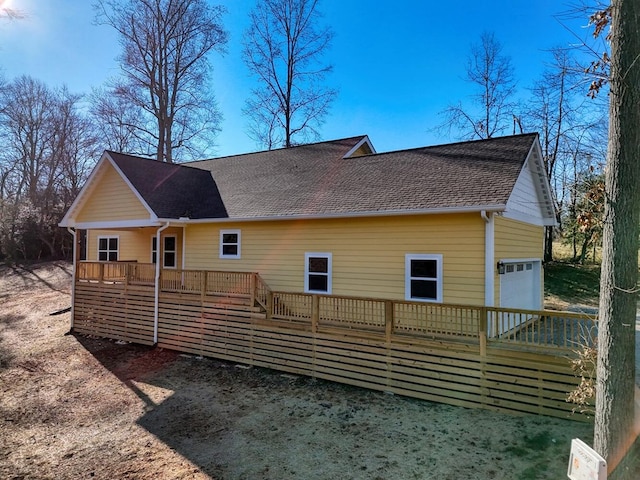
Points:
x=386, y=213
x=359, y=144
x=545, y=179
x=144, y=222
x=542, y=188
x=523, y=217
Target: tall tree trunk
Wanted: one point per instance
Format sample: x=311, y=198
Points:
x=614, y=419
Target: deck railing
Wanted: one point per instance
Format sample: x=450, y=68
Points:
x=117, y=272
x=495, y=326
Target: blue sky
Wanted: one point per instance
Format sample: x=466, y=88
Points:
x=397, y=64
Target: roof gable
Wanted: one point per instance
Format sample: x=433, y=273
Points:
x=340, y=178
x=107, y=197
x=530, y=199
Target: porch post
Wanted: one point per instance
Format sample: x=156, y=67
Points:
x=156, y=308
x=489, y=258
x=489, y=267
x=74, y=275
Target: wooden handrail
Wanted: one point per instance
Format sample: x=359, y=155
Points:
x=486, y=325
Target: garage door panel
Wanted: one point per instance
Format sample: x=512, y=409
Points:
x=520, y=285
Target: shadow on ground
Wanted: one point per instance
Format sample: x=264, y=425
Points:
x=21, y=277
x=234, y=422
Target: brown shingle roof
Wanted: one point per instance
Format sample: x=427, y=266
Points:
x=315, y=179
x=171, y=190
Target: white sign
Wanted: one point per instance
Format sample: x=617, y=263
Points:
x=585, y=463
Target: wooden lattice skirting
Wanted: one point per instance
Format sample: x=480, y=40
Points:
x=505, y=379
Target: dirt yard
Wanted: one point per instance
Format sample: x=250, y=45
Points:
x=73, y=407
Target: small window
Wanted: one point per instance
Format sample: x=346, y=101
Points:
x=520, y=267
x=108, y=249
x=169, y=254
x=529, y=266
x=154, y=249
x=317, y=273
x=229, y=243
x=423, y=277
x=510, y=268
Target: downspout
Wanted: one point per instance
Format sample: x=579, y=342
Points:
x=156, y=307
x=184, y=249
x=489, y=258
x=73, y=233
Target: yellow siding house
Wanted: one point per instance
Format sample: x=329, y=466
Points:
x=460, y=223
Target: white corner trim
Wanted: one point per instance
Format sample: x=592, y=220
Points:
x=489, y=260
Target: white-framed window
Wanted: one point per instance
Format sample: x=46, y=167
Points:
x=230, y=243
x=317, y=273
x=154, y=249
x=423, y=277
x=108, y=248
x=169, y=251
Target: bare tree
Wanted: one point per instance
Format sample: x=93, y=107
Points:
x=283, y=48
x=165, y=69
x=568, y=123
x=48, y=151
x=116, y=119
x=492, y=110
x=614, y=419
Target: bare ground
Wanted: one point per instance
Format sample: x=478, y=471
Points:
x=73, y=407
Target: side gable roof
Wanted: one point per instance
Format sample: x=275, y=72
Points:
x=316, y=180
x=335, y=178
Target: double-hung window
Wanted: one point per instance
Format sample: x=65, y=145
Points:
x=108, y=249
x=169, y=251
x=229, y=243
x=317, y=273
x=423, y=277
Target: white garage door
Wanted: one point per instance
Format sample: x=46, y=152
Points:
x=520, y=285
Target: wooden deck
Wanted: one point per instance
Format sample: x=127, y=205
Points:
x=442, y=353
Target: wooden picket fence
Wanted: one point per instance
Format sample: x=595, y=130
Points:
x=463, y=355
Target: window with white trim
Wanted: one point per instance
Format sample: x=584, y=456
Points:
x=317, y=273
x=108, y=249
x=169, y=251
x=229, y=243
x=423, y=277
x=154, y=249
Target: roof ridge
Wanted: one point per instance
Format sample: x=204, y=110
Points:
x=452, y=144
x=113, y=154
x=359, y=137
